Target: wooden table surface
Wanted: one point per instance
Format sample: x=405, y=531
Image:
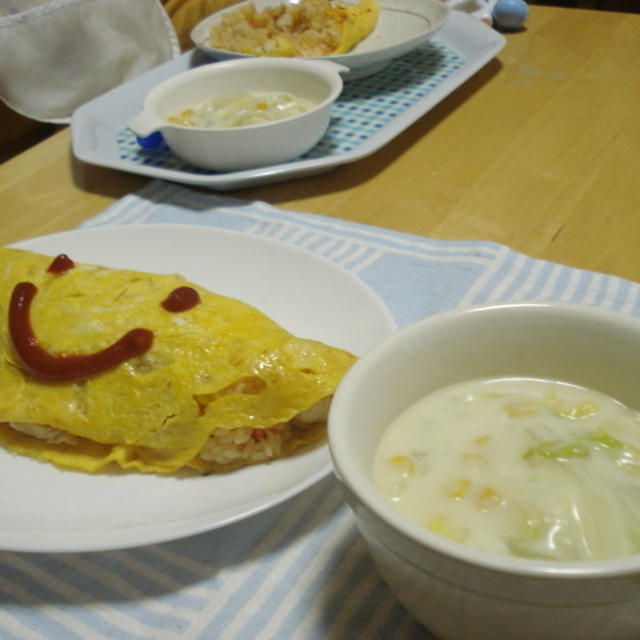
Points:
x=540, y=151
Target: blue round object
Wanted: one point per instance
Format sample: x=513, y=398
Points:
x=510, y=14
x=154, y=141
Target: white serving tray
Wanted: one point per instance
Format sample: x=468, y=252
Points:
x=370, y=112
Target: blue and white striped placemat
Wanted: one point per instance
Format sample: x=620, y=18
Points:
x=299, y=570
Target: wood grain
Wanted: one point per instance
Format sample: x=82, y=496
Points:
x=539, y=150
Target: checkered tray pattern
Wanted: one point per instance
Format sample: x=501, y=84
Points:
x=370, y=113
x=363, y=109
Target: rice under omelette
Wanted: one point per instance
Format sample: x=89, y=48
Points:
x=305, y=28
x=220, y=386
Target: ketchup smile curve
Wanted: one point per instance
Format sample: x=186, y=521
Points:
x=42, y=364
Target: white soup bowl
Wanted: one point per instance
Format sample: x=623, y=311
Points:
x=460, y=592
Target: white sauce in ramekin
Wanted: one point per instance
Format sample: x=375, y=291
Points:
x=241, y=109
x=533, y=468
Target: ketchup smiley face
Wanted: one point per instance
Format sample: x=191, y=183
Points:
x=42, y=364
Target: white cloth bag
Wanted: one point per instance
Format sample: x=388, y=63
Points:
x=55, y=56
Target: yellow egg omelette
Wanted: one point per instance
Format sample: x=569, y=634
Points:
x=210, y=385
x=305, y=28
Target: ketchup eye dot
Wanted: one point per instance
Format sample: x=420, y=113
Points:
x=61, y=264
x=181, y=299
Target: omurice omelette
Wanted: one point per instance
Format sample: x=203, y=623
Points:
x=150, y=372
x=304, y=28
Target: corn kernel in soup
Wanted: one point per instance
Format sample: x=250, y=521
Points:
x=528, y=467
x=241, y=109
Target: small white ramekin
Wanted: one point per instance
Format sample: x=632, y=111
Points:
x=236, y=148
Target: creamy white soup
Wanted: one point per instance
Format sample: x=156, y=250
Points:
x=533, y=468
x=241, y=109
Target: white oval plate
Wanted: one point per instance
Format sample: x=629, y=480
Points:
x=403, y=25
x=43, y=508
